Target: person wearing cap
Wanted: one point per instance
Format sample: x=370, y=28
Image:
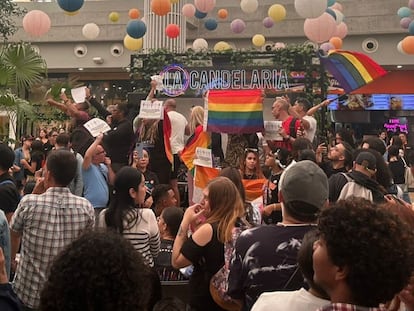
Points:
x=363, y=173
x=308, y=123
x=265, y=257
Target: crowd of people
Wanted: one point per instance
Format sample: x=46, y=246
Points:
x=98, y=223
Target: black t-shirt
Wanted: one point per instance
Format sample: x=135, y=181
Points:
x=397, y=169
x=265, y=260
x=207, y=260
x=271, y=193
x=329, y=170
x=163, y=263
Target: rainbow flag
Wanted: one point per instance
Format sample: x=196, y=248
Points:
x=253, y=188
x=199, y=139
x=352, y=69
x=202, y=176
x=234, y=111
x=166, y=123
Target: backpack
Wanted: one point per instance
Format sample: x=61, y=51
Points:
x=353, y=189
x=219, y=281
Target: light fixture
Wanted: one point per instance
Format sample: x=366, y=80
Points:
x=399, y=66
x=80, y=69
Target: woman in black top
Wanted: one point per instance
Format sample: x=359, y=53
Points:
x=222, y=205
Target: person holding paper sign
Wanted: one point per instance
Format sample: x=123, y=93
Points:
x=80, y=137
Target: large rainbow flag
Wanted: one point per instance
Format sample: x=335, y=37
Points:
x=199, y=139
x=352, y=69
x=234, y=111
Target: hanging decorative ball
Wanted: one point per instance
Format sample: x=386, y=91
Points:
x=70, y=6
x=238, y=25
x=136, y=28
x=113, y=17
x=133, y=44
x=205, y=6
x=258, y=40
x=221, y=46
x=310, y=8
x=222, y=13
x=200, y=44
x=405, y=22
x=336, y=42
x=160, y=7
x=319, y=29
x=188, y=10
x=268, y=22
x=172, y=31
x=326, y=47
x=36, y=23
x=277, y=12
x=249, y=6
x=341, y=30
x=210, y=24
x=90, y=31
x=134, y=13
x=199, y=15
x=407, y=45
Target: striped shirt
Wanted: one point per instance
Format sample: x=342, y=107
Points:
x=47, y=222
x=144, y=235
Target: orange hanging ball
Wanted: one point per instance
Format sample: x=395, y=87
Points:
x=222, y=13
x=336, y=42
x=133, y=13
x=160, y=7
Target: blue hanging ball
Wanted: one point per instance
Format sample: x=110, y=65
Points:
x=70, y=5
x=404, y=12
x=331, y=2
x=331, y=12
x=210, y=24
x=199, y=15
x=411, y=28
x=136, y=29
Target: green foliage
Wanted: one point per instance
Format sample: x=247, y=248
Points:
x=8, y=11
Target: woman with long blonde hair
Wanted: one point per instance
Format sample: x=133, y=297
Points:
x=222, y=206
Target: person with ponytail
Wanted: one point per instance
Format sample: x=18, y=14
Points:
x=126, y=216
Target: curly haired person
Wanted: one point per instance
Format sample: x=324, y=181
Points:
x=100, y=271
x=363, y=257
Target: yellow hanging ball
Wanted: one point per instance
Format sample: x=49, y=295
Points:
x=174, y=1
x=258, y=40
x=71, y=13
x=133, y=44
x=221, y=46
x=277, y=12
x=114, y=17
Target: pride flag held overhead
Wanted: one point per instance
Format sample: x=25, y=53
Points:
x=352, y=69
x=234, y=111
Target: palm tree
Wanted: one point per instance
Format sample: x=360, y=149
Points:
x=20, y=68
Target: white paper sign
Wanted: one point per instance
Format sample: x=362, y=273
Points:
x=158, y=79
x=151, y=109
x=97, y=126
x=78, y=94
x=272, y=129
x=203, y=157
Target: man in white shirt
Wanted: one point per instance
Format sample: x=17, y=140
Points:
x=177, y=140
x=308, y=123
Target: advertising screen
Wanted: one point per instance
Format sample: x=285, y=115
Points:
x=371, y=102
